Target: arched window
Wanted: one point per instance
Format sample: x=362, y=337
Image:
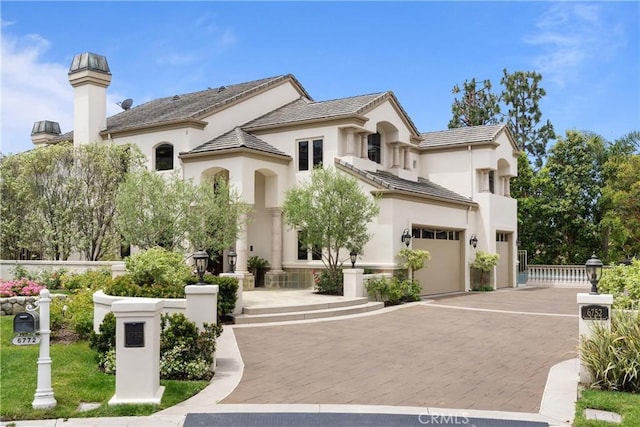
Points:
x=164, y=157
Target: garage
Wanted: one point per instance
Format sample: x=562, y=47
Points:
x=444, y=272
x=504, y=263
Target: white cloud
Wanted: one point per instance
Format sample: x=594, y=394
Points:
x=571, y=37
x=32, y=90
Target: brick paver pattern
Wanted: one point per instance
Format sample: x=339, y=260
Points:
x=424, y=355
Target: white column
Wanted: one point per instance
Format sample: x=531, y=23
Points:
x=350, y=142
x=396, y=156
x=353, y=282
x=276, y=240
x=241, y=246
x=137, y=351
x=202, y=304
x=43, y=398
x=592, y=309
x=407, y=159
x=365, y=147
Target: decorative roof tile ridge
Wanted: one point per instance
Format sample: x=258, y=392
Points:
x=240, y=136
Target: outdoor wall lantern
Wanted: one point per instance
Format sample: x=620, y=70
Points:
x=406, y=237
x=354, y=256
x=201, y=258
x=473, y=241
x=233, y=257
x=593, y=268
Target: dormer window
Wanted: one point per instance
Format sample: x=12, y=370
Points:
x=164, y=157
x=374, y=149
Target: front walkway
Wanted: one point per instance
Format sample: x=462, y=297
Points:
x=486, y=351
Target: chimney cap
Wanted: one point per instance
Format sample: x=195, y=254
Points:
x=46, y=127
x=89, y=61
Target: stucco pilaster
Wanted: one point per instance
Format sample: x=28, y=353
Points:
x=241, y=245
x=276, y=240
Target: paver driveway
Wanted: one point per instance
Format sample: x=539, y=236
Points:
x=485, y=351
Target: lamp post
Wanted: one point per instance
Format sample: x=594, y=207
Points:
x=201, y=258
x=473, y=241
x=233, y=257
x=353, y=255
x=593, y=268
x=406, y=237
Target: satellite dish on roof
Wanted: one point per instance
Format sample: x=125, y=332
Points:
x=126, y=104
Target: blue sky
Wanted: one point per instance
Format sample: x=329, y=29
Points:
x=587, y=52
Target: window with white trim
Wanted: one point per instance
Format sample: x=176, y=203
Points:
x=374, y=147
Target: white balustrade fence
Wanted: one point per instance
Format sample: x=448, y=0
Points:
x=569, y=275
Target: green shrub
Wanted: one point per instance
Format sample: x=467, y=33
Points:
x=157, y=266
x=20, y=271
x=91, y=279
x=395, y=290
x=104, y=343
x=328, y=282
x=52, y=279
x=185, y=352
x=79, y=312
x=123, y=286
x=484, y=262
x=623, y=282
x=613, y=356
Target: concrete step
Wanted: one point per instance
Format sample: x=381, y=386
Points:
x=297, y=306
x=307, y=314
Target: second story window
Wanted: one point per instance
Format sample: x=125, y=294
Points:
x=164, y=157
x=309, y=154
x=374, y=149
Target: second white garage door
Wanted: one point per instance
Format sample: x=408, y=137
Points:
x=444, y=272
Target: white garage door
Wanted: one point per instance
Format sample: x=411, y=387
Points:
x=444, y=272
x=504, y=263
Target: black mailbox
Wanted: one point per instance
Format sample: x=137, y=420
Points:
x=27, y=322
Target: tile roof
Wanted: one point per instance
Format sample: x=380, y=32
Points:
x=236, y=138
x=461, y=136
x=304, y=109
x=187, y=106
x=422, y=187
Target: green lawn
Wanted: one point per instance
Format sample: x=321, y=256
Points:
x=625, y=404
x=75, y=379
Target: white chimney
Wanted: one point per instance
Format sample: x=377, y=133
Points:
x=44, y=131
x=90, y=76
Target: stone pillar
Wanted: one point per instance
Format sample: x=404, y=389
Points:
x=365, y=147
x=276, y=240
x=592, y=309
x=396, y=156
x=276, y=277
x=137, y=351
x=350, y=142
x=354, y=282
x=407, y=159
x=202, y=304
x=43, y=398
x=118, y=269
x=241, y=246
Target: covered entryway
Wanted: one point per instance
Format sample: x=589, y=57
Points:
x=444, y=272
x=503, y=268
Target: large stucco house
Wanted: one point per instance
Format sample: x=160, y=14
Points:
x=449, y=188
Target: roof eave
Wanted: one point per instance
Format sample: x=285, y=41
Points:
x=394, y=192
x=152, y=127
x=236, y=150
x=358, y=118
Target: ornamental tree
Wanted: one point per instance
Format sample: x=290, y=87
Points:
x=333, y=212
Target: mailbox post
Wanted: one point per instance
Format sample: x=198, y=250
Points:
x=43, y=398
